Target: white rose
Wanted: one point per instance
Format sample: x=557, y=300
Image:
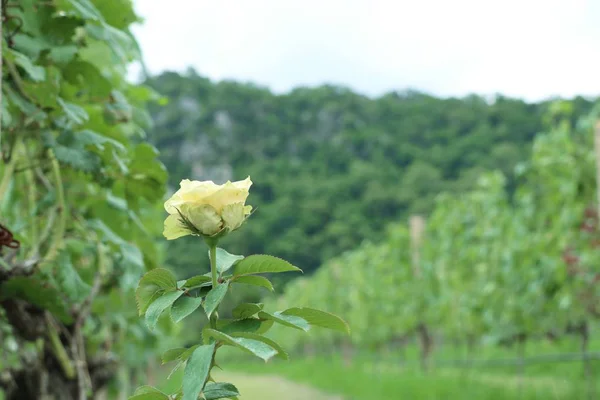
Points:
x=205, y=208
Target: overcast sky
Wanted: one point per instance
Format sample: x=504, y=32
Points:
x=531, y=49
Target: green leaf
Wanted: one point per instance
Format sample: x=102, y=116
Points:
x=225, y=260
x=249, y=335
x=83, y=9
x=62, y=55
x=214, y=298
x=196, y=371
x=146, y=389
x=37, y=292
x=242, y=325
x=255, y=281
x=179, y=354
x=82, y=73
x=172, y=354
x=287, y=320
x=69, y=150
x=146, y=177
x=120, y=43
x=148, y=393
x=219, y=390
x=35, y=72
x=260, y=264
x=246, y=310
x=318, y=318
x=74, y=113
x=151, y=286
x=149, y=396
x=196, y=281
x=184, y=306
x=158, y=306
x=252, y=346
x=68, y=279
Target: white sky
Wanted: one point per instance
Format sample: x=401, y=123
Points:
x=531, y=49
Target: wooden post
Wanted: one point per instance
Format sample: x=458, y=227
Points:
x=417, y=227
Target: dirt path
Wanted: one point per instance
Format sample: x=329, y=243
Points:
x=270, y=387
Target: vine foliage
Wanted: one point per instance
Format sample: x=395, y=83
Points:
x=78, y=189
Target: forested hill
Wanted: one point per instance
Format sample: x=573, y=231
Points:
x=332, y=167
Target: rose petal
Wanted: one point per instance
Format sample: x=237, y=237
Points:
x=228, y=194
x=204, y=217
x=174, y=228
x=245, y=184
x=233, y=215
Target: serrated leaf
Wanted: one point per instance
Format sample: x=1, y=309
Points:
x=219, y=390
x=196, y=281
x=182, y=358
x=35, y=72
x=159, y=305
x=196, y=371
x=287, y=320
x=83, y=9
x=146, y=389
x=87, y=74
x=255, y=281
x=261, y=264
x=225, y=260
x=148, y=393
x=146, y=177
x=68, y=279
x=318, y=318
x=252, y=346
x=120, y=44
x=246, y=310
x=149, y=396
x=249, y=335
x=38, y=292
x=214, y=298
x=172, y=354
x=242, y=325
x=69, y=151
x=62, y=55
x=73, y=112
x=184, y=306
x=151, y=286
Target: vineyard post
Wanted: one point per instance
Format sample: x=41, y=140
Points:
x=417, y=227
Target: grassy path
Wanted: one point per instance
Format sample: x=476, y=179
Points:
x=270, y=387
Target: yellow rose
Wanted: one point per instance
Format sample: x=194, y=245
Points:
x=205, y=208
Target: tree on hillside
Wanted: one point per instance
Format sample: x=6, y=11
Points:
x=345, y=163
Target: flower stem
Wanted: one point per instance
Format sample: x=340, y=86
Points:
x=213, y=265
x=213, y=270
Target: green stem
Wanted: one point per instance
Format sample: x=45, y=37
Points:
x=7, y=174
x=59, y=231
x=213, y=271
x=59, y=350
x=213, y=265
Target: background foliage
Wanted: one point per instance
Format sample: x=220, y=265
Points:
x=334, y=167
x=80, y=190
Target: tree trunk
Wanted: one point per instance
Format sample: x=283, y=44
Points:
x=426, y=342
x=58, y=370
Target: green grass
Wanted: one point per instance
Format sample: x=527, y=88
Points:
x=390, y=375
x=363, y=381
